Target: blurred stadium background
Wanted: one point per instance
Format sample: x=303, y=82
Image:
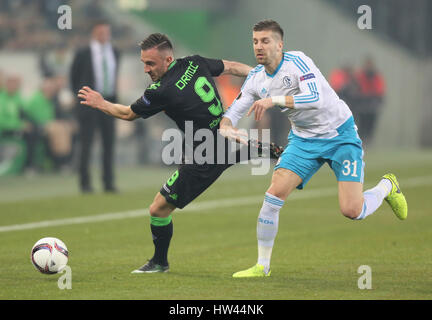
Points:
x=33, y=49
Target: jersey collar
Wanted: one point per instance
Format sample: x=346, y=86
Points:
x=172, y=64
x=277, y=69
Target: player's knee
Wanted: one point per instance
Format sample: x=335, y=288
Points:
x=283, y=183
x=276, y=193
x=159, y=211
x=160, y=208
x=278, y=190
x=154, y=210
x=351, y=211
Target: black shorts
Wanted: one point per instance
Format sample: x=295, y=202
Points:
x=190, y=180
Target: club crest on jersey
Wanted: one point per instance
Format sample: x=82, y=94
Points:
x=287, y=81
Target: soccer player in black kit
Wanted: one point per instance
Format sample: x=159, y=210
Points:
x=184, y=89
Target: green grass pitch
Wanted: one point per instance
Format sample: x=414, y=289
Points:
x=317, y=251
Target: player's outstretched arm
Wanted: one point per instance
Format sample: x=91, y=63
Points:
x=236, y=68
x=95, y=100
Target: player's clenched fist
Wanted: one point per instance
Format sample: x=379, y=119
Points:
x=90, y=97
x=259, y=107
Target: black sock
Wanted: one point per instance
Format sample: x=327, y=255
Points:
x=161, y=238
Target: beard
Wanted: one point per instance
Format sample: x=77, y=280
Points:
x=262, y=60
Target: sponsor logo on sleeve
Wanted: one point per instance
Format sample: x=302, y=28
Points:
x=145, y=100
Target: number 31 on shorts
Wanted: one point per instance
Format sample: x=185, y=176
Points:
x=349, y=168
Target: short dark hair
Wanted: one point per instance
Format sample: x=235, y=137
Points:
x=156, y=40
x=100, y=22
x=269, y=25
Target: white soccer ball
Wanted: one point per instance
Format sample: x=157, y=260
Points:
x=49, y=255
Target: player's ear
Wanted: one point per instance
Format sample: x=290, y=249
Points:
x=169, y=59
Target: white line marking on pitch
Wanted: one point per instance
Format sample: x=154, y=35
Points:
x=193, y=207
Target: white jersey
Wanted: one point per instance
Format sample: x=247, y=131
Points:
x=317, y=111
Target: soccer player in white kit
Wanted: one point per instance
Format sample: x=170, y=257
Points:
x=323, y=131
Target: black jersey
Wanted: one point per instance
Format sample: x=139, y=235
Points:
x=186, y=92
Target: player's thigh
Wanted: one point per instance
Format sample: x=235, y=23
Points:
x=350, y=198
x=160, y=207
x=283, y=182
x=346, y=157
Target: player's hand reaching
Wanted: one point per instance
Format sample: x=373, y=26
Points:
x=90, y=97
x=259, y=107
x=234, y=134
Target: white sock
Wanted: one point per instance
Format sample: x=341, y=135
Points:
x=267, y=228
x=374, y=197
